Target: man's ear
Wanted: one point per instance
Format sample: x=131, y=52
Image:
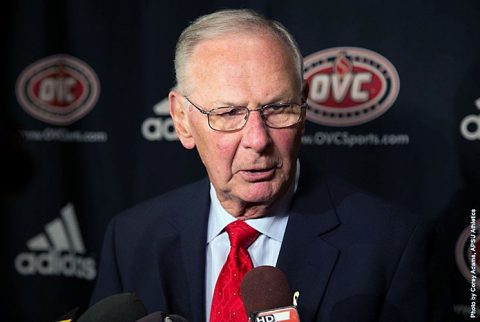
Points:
x=305, y=90
x=180, y=119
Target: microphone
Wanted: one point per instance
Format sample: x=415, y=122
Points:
x=267, y=297
x=162, y=317
x=175, y=318
x=153, y=317
x=125, y=307
x=70, y=316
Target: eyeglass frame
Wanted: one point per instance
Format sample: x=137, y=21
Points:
x=261, y=109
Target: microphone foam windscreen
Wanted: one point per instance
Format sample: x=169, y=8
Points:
x=265, y=288
x=125, y=307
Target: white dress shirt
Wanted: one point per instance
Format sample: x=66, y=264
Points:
x=264, y=251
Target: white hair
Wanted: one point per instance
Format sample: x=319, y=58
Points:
x=225, y=22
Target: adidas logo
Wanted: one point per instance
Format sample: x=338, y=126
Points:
x=58, y=251
x=160, y=127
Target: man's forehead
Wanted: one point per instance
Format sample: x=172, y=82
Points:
x=247, y=59
x=231, y=45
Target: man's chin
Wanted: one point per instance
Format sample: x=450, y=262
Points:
x=263, y=192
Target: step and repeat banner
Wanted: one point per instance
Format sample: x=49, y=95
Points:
x=394, y=107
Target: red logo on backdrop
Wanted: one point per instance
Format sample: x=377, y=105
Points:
x=468, y=243
x=349, y=86
x=59, y=89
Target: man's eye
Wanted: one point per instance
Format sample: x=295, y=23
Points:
x=230, y=112
x=277, y=107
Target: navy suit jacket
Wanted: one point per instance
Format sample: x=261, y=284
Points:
x=353, y=257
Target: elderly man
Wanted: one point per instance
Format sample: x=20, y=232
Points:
x=240, y=102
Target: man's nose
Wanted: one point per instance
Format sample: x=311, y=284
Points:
x=256, y=133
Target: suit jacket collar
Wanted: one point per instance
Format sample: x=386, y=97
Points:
x=191, y=222
x=305, y=257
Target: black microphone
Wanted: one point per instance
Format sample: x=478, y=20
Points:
x=175, y=318
x=267, y=297
x=153, y=317
x=125, y=307
x=70, y=316
x=162, y=317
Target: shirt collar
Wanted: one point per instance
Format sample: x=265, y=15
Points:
x=273, y=226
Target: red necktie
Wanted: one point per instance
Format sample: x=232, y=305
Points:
x=226, y=303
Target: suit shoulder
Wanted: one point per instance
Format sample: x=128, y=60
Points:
x=368, y=221
x=165, y=206
x=353, y=203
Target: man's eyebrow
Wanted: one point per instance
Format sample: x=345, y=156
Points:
x=279, y=100
x=227, y=104
x=275, y=100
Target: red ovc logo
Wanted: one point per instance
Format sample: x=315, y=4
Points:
x=58, y=89
x=466, y=249
x=349, y=86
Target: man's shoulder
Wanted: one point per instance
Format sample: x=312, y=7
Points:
x=373, y=205
x=351, y=204
x=167, y=207
x=361, y=210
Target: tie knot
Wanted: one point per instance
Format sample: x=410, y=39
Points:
x=241, y=234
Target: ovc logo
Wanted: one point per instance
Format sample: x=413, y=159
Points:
x=468, y=243
x=349, y=86
x=58, y=90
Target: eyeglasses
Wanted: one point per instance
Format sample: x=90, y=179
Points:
x=234, y=118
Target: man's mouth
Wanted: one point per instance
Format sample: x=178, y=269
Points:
x=253, y=175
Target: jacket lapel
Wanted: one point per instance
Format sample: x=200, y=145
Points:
x=192, y=222
x=305, y=257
